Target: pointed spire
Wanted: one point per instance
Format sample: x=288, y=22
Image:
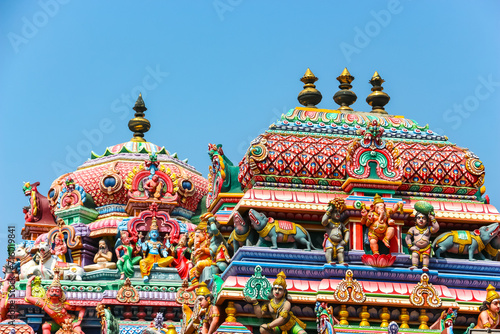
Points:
x=345, y=97
x=377, y=98
x=139, y=125
x=309, y=96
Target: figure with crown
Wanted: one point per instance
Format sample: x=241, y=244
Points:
x=488, y=318
x=279, y=307
x=151, y=246
x=210, y=312
x=379, y=222
x=201, y=250
x=55, y=305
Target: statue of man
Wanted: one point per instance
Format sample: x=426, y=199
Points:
x=418, y=239
x=210, y=321
x=152, y=246
x=379, y=222
x=102, y=258
x=337, y=234
x=488, y=318
x=55, y=305
x=280, y=310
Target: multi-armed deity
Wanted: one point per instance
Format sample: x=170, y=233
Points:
x=379, y=222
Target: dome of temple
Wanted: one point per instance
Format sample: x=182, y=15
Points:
x=315, y=147
x=105, y=184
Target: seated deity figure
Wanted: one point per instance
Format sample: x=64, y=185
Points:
x=126, y=254
x=102, y=258
x=278, y=306
x=60, y=249
x=152, y=247
x=418, y=238
x=488, y=318
x=379, y=222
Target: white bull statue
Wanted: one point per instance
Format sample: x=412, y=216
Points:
x=44, y=266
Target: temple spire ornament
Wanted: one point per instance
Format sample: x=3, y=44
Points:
x=309, y=96
x=139, y=125
x=377, y=98
x=345, y=97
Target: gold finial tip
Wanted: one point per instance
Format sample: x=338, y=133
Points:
x=308, y=73
x=376, y=76
x=345, y=72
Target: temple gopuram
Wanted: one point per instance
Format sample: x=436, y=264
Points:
x=333, y=221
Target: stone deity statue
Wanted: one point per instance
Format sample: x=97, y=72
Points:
x=337, y=234
x=279, y=308
x=379, y=222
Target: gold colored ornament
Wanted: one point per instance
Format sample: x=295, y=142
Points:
x=424, y=287
x=280, y=280
x=342, y=293
x=491, y=294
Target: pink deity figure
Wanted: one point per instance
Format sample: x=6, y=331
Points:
x=55, y=305
x=5, y=290
x=379, y=222
x=60, y=249
x=153, y=187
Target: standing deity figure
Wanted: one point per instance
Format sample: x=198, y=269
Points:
x=211, y=313
x=379, y=222
x=60, y=249
x=55, y=305
x=152, y=247
x=201, y=250
x=102, y=258
x=337, y=234
x=125, y=254
x=488, y=318
x=418, y=237
x=279, y=308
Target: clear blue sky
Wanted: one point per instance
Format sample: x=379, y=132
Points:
x=222, y=71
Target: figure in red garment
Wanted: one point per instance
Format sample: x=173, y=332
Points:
x=55, y=305
x=60, y=249
x=181, y=262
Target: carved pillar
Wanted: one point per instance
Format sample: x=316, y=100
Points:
x=357, y=236
x=365, y=315
x=423, y=318
x=343, y=314
x=127, y=313
x=141, y=314
x=230, y=312
x=404, y=317
x=385, y=316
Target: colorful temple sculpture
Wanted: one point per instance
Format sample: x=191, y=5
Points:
x=334, y=221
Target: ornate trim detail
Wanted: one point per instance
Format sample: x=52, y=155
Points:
x=258, y=286
x=127, y=293
x=356, y=294
x=424, y=287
